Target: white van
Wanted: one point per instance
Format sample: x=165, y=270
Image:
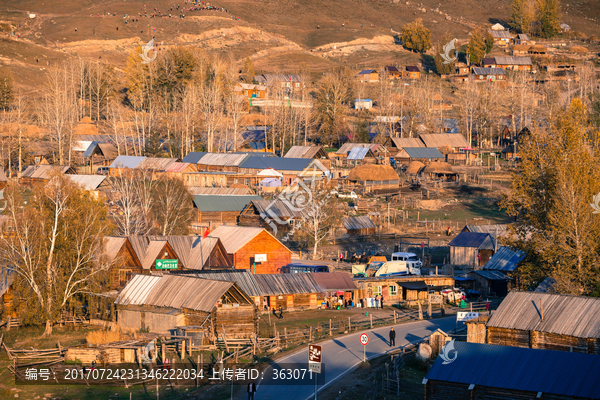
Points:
x=398, y=268
x=410, y=258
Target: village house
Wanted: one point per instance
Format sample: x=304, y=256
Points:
x=401, y=288
x=312, y=152
x=396, y=144
x=215, y=210
x=368, y=76
x=288, y=169
x=334, y=285
x=100, y=154
x=514, y=63
x=521, y=38
x=488, y=62
x=502, y=372
x=264, y=213
x=491, y=282
x=498, y=231
x=159, y=304
x=154, y=165
x=97, y=185
x=461, y=68
x=489, y=74
x=253, y=248
x=411, y=72
x=542, y=321
x=392, y=72
x=290, y=83
x=357, y=226
x=250, y=90
x=471, y=250
x=41, y=174
x=291, y=292
x=423, y=154
x=538, y=49
x=501, y=37
x=363, y=104
x=453, y=141
x=520, y=49
x=374, y=178
x=389, y=126
x=221, y=162
x=340, y=157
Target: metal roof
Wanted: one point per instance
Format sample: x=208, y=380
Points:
x=235, y=237
x=362, y=222
x=241, y=277
x=222, y=159
x=443, y=139
x=563, y=314
x=304, y=151
x=391, y=68
x=334, y=281
x=88, y=182
x=193, y=251
x=173, y=291
x=407, y=142
x=505, y=259
x=546, y=286
x=488, y=71
x=277, y=208
x=178, y=167
x=493, y=275
x=358, y=153
x=366, y=71
x=347, y=147
x=156, y=163
x=482, y=241
x=513, y=60
x=412, y=68
x=194, y=157
x=423, y=152
x=496, y=230
x=488, y=61
x=279, y=164
x=255, y=133
x=211, y=203
x=276, y=284
x=532, y=370
x=127, y=162
x=197, y=190
x=112, y=246
x=44, y=171
x=500, y=34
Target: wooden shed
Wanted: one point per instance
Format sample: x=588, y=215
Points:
x=215, y=210
x=41, y=174
x=375, y=177
x=290, y=291
x=162, y=303
x=547, y=321
x=471, y=250
x=253, y=248
x=264, y=213
x=359, y=225
x=491, y=283
x=483, y=371
x=401, y=288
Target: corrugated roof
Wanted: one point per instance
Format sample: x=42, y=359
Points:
x=236, y=237
x=276, y=208
x=493, y=275
x=255, y=133
x=516, y=368
x=505, y=259
x=358, y=153
x=156, y=163
x=88, y=182
x=334, y=281
x=211, y=203
x=407, y=142
x=303, y=151
x=44, y=171
x=194, y=157
x=496, y=230
x=497, y=34
x=423, y=152
x=222, y=159
x=178, y=167
x=362, y=222
x=563, y=314
x=513, y=60
x=278, y=164
x=276, y=284
x=230, y=191
x=488, y=71
x=112, y=246
x=347, y=147
x=193, y=251
x=481, y=241
x=444, y=139
x=241, y=277
x=366, y=71
x=546, y=286
x=173, y=291
x=127, y=162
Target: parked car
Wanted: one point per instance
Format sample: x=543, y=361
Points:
x=351, y=195
x=103, y=170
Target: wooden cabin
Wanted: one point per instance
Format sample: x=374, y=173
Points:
x=483, y=371
x=489, y=74
x=215, y=210
x=41, y=174
x=395, y=145
x=368, y=76
x=401, y=288
x=411, y=72
x=471, y=250
x=97, y=185
x=290, y=291
x=160, y=304
x=250, y=90
x=514, y=63
x=356, y=226
x=491, y=283
x=423, y=154
x=312, y=152
x=392, y=72
x=272, y=215
x=501, y=37
x=253, y=248
x=125, y=261
x=374, y=177
x=546, y=321
x=454, y=141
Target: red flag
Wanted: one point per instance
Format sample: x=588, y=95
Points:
x=206, y=233
x=487, y=304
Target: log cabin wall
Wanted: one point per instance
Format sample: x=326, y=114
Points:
x=238, y=322
x=508, y=337
x=277, y=254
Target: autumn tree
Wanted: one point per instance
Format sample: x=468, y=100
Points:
x=172, y=207
x=248, y=71
x=334, y=95
x=6, y=88
x=442, y=66
x=416, y=37
x=132, y=196
x=320, y=217
x=522, y=16
x=548, y=16
x=489, y=42
x=551, y=193
x=476, y=48
x=55, y=248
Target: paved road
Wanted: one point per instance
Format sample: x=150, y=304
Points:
x=342, y=354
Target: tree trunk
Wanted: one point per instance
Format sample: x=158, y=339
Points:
x=48, y=330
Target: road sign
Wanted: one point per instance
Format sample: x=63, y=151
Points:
x=465, y=316
x=364, y=339
x=167, y=264
x=314, y=358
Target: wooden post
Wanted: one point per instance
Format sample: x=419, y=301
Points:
x=198, y=369
x=163, y=350
x=349, y=325
x=225, y=339
x=420, y=310
x=471, y=305
x=182, y=349
x=371, y=315
x=330, y=333
x=394, y=317
x=429, y=308
x=310, y=334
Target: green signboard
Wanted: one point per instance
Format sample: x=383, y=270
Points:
x=167, y=264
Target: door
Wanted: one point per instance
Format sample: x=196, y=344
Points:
x=290, y=302
x=313, y=300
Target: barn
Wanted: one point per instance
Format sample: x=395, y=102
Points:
x=290, y=291
x=471, y=250
x=483, y=371
x=161, y=303
x=215, y=210
x=253, y=248
x=359, y=225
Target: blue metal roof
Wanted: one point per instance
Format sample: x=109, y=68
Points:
x=127, y=161
x=366, y=71
x=277, y=163
x=358, y=153
x=493, y=275
x=505, y=259
x=423, y=152
x=255, y=133
x=194, y=157
x=516, y=368
x=211, y=203
x=482, y=241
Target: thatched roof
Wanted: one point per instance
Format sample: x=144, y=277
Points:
x=578, y=49
x=520, y=47
x=538, y=48
x=414, y=167
x=373, y=173
x=437, y=167
x=446, y=150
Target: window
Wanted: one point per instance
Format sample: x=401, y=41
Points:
x=377, y=291
x=246, y=182
x=393, y=290
x=236, y=181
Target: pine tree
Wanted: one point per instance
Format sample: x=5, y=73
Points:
x=489, y=42
x=476, y=48
x=548, y=16
x=416, y=37
x=521, y=17
x=154, y=148
x=248, y=71
x=6, y=88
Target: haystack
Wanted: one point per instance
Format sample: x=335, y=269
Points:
x=373, y=173
x=414, y=167
x=578, y=49
x=538, y=48
x=446, y=149
x=521, y=47
x=86, y=120
x=438, y=167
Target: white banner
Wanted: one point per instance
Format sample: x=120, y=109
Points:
x=465, y=316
